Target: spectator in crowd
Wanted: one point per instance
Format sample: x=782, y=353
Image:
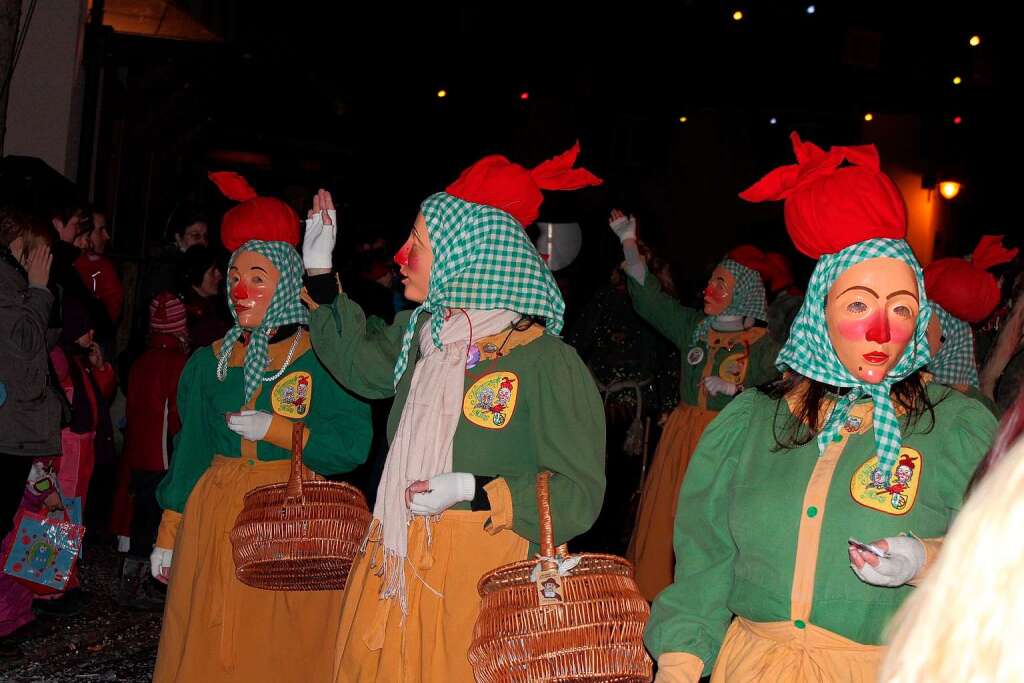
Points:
x=153, y=421
x=202, y=289
x=97, y=271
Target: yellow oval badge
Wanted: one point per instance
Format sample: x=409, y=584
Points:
x=734, y=368
x=491, y=401
x=895, y=495
x=293, y=395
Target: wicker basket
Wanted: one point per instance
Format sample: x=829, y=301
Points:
x=301, y=535
x=593, y=631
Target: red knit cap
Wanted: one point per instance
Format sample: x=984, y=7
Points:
x=496, y=181
x=965, y=288
x=256, y=218
x=167, y=315
x=828, y=206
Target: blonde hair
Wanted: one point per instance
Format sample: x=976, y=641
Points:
x=965, y=621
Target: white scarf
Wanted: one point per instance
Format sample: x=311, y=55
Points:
x=422, y=447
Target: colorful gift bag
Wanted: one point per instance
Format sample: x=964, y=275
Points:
x=73, y=506
x=44, y=551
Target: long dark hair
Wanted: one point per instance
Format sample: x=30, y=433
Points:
x=803, y=424
x=1010, y=429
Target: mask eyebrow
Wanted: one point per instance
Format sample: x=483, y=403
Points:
x=866, y=289
x=903, y=292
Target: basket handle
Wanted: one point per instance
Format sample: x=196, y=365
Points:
x=547, y=532
x=299, y=472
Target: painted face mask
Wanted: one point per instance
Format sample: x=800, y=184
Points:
x=871, y=364
x=719, y=291
x=264, y=287
x=871, y=314
x=253, y=280
x=415, y=260
x=733, y=289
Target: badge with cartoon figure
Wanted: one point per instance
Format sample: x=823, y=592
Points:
x=491, y=401
x=894, y=495
x=292, y=395
x=734, y=368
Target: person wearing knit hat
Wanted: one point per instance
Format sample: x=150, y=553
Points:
x=236, y=400
x=167, y=316
x=853, y=442
x=152, y=423
x=486, y=397
x=722, y=352
x=963, y=293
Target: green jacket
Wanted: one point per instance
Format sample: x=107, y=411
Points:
x=553, y=418
x=745, y=505
x=746, y=357
x=338, y=424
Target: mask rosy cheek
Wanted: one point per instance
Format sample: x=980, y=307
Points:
x=902, y=330
x=855, y=330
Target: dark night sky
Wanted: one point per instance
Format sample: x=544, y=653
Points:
x=345, y=95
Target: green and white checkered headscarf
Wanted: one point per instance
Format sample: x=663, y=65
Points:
x=285, y=308
x=748, y=298
x=483, y=260
x=809, y=350
x=954, y=363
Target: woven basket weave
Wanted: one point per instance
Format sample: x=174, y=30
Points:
x=301, y=535
x=594, y=634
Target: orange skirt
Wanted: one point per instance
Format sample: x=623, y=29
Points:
x=432, y=645
x=780, y=652
x=650, y=548
x=218, y=629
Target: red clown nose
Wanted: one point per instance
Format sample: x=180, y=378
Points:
x=402, y=257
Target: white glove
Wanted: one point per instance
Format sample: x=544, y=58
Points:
x=624, y=228
x=906, y=557
x=318, y=243
x=251, y=425
x=635, y=264
x=445, y=491
x=160, y=563
x=716, y=385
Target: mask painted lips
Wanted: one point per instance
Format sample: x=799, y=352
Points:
x=876, y=357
